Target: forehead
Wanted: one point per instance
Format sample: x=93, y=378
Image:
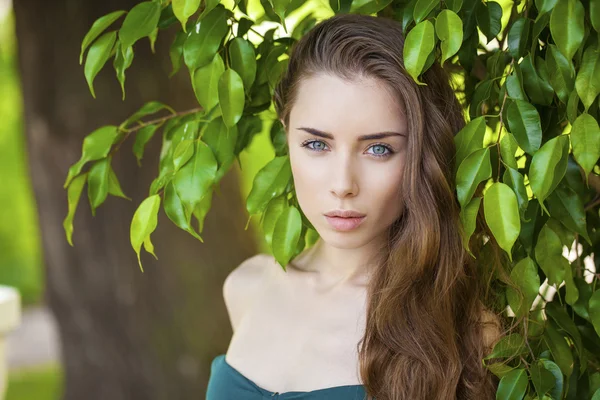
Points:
x=329, y=102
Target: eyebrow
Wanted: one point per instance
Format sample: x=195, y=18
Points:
x=372, y=136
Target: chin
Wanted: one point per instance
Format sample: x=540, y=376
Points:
x=342, y=240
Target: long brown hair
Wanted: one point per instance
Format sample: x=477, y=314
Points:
x=423, y=338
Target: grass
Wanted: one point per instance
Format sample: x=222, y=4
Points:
x=39, y=383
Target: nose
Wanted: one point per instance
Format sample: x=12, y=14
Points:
x=344, y=181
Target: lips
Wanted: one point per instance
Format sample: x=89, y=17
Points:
x=345, y=224
x=344, y=214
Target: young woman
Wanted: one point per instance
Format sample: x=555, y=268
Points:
x=387, y=303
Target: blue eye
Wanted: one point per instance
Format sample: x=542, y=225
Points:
x=376, y=145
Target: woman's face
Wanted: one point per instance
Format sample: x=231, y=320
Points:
x=333, y=168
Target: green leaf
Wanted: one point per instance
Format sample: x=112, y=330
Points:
x=560, y=350
x=518, y=36
x=97, y=56
x=564, y=321
x=469, y=139
x=278, y=137
x=508, y=148
x=548, y=253
x=454, y=5
x=221, y=141
x=248, y=127
x=556, y=392
x=73, y=194
x=280, y=8
x=541, y=22
x=206, y=82
x=562, y=73
x=182, y=153
x=183, y=9
x=340, y=6
x=269, y=182
x=195, y=179
x=483, y=90
x=572, y=107
x=271, y=215
x=489, y=16
x=548, y=167
x=96, y=145
x=567, y=207
x=231, y=97
x=585, y=139
x=167, y=17
x=502, y=215
x=423, y=8
x=123, y=60
x=545, y=6
x=286, y=235
x=114, y=187
x=525, y=276
x=508, y=346
x=142, y=137
x=449, y=29
x=595, y=19
x=585, y=292
x=543, y=380
x=513, y=385
x=201, y=210
x=243, y=60
x=516, y=182
x=475, y=169
x=275, y=72
x=203, y=42
x=176, y=51
x=539, y=90
x=594, y=310
x=143, y=224
x=244, y=24
x=209, y=5
x=566, y=236
x=97, y=28
x=514, y=84
x=468, y=217
x=98, y=183
x=176, y=211
x=141, y=21
x=596, y=395
x=419, y=43
x=524, y=123
x=500, y=369
x=152, y=36
x=535, y=323
x=567, y=26
x=587, y=82
x=368, y=6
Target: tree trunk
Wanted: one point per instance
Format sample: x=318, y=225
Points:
x=125, y=334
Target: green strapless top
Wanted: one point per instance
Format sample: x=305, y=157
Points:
x=227, y=383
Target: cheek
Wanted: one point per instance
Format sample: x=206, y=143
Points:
x=386, y=195
x=304, y=169
x=307, y=181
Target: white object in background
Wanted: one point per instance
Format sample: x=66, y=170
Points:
x=10, y=318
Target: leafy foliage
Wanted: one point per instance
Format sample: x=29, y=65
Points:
x=528, y=156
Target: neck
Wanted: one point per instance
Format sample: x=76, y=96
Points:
x=331, y=266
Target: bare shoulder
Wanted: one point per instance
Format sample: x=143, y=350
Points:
x=492, y=328
x=242, y=284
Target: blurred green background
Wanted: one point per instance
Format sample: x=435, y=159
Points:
x=20, y=250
